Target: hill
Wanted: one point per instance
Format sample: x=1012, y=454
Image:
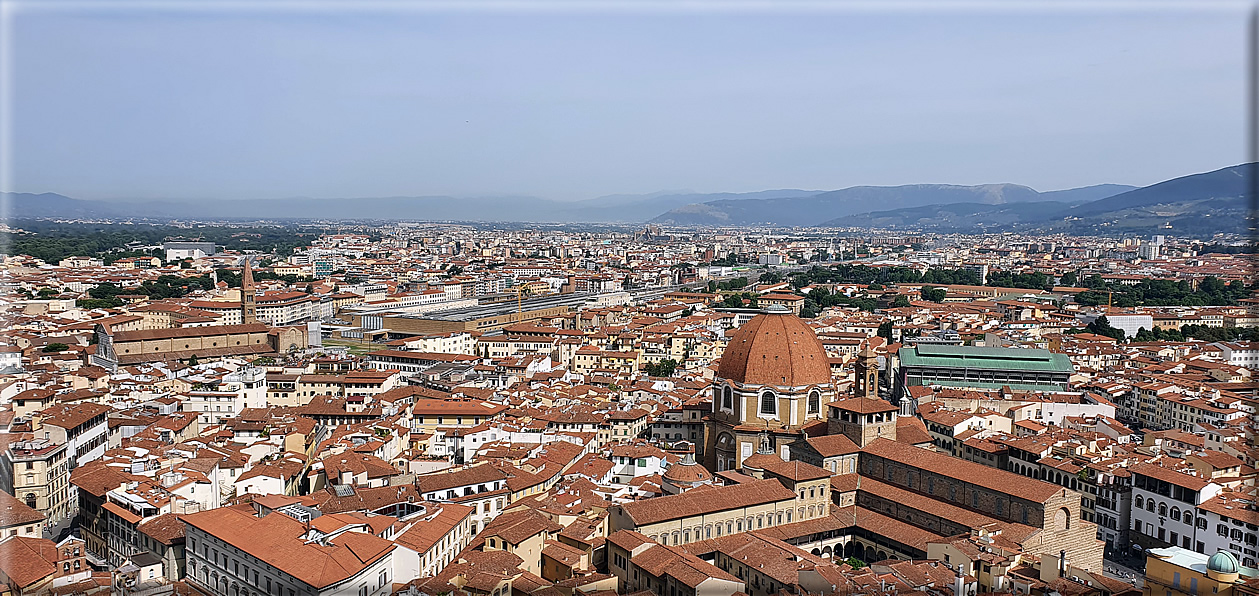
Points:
x=617, y=208
x=821, y=207
x=1206, y=203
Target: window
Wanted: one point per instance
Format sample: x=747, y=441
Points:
x=815, y=402
x=1162, y=509
x=769, y=404
x=1175, y=513
x=1140, y=501
x=727, y=398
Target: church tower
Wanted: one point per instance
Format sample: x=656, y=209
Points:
x=867, y=368
x=248, y=309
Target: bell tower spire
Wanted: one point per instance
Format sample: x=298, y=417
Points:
x=248, y=309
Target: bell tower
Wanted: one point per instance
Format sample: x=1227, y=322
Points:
x=867, y=368
x=248, y=309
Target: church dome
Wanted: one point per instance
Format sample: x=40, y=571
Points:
x=775, y=348
x=1223, y=562
x=687, y=471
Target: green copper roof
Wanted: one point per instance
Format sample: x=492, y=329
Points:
x=924, y=355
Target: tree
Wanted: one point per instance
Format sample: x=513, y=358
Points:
x=1069, y=279
x=855, y=563
x=810, y=309
x=933, y=294
x=192, y=360
x=664, y=368
x=901, y=301
x=1101, y=326
x=885, y=331
x=55, y=347
x=874, y=287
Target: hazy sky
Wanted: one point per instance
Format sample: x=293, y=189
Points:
x=235, y=103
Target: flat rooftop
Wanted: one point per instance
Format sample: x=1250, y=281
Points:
x=942, y=356
x=482, y=311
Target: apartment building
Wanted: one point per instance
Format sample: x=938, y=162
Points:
x=287, y=551
x=37, y=474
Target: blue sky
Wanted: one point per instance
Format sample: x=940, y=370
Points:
x=136, y=102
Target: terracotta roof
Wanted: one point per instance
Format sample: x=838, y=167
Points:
x=980, y=475
x=688, y=472
x=832, y=445
x=13, y=512
x=165, y=528
x=776, y=349
x=277, y=539
x=796, y=470
x=693, y=503
x=434, y=526
x=27, y=561
x=149, y=334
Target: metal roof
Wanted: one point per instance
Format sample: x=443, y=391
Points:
x=1032, y=360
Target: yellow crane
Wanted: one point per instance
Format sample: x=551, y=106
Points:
x=520, y=292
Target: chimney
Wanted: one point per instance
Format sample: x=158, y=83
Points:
x=1062, y=563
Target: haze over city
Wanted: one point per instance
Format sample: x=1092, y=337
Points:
x=330, y=101
x=403, y=299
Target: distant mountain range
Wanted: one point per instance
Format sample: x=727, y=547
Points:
x=821, y=207
x=1195, y=204
x=614, y=208
x=1218, y=201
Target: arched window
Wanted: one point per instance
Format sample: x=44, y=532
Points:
x=1062, y=519
x=30, y=500
x=1140, y=501
x=769, y=403
x=1187, y=518
x=1149, y=504
x=815, y=401
x=1176, y=513
x=1162, y=509
x=727, y=398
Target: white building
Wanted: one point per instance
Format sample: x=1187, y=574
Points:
x=1240, y=353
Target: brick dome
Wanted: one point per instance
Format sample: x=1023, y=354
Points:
x=687, y=471
x=777, y=349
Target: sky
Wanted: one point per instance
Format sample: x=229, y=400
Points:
x=221, y=101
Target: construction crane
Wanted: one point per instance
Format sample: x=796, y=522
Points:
x=520, y=292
